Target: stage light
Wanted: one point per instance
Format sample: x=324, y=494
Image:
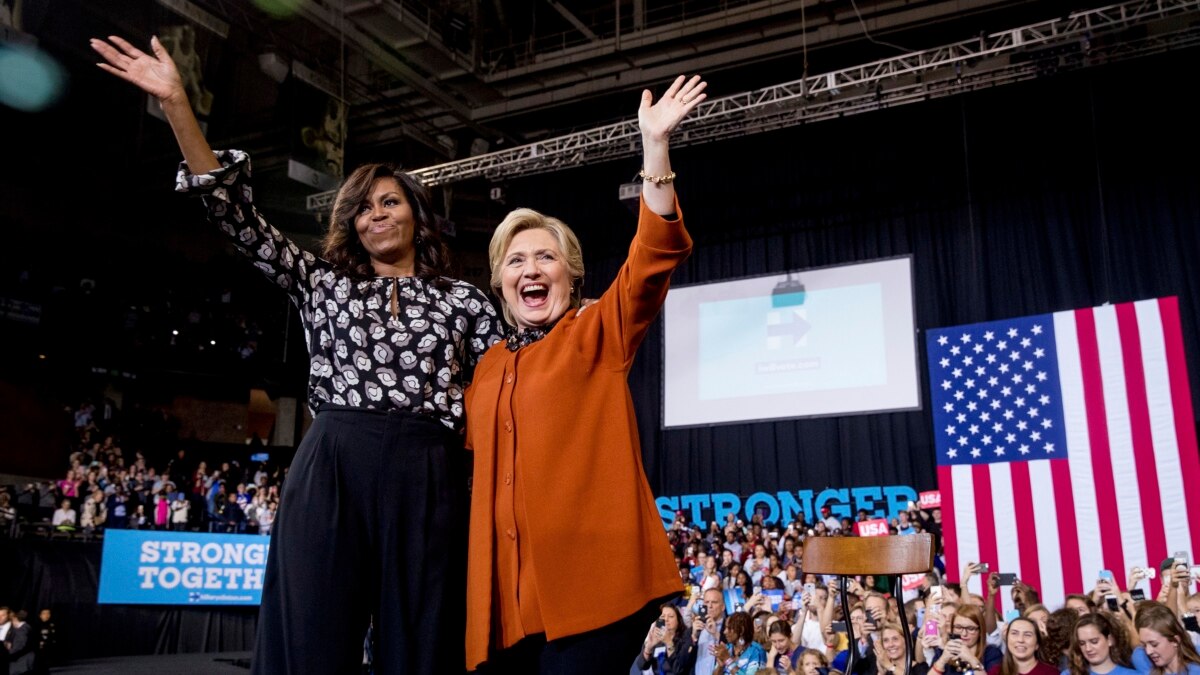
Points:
x=212, y=342
x=174, y=332
x=788, y=293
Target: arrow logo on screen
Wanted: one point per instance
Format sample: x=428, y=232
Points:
x=777, y=328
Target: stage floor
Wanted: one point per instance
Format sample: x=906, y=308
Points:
x=176, y=664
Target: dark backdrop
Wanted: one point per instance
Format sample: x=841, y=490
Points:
x=1060, y=193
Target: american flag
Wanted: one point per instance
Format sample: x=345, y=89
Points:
x=1064, y=444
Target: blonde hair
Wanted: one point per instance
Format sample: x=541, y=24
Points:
x=516, y=222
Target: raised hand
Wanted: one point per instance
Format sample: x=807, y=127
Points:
x=154, y=73
x=658, y=120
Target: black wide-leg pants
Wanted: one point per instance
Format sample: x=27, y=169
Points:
x=371, y=530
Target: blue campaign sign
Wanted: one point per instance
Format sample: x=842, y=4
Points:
x=182, y=568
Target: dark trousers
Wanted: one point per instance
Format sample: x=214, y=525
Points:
x=607, y=650
x=370, y=529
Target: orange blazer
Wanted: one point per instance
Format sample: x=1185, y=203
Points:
x=568, y=410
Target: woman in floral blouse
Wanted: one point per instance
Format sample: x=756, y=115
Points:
x=376, y=483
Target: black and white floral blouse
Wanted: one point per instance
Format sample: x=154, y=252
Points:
x=360, y=354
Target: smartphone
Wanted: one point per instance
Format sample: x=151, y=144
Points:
x=1111, y=602
x=1012, y=614
x=1151, y=572
x=1006, y=578
x=982, y=567
x=1137, y=594
x=702, y=611
x=1190, y=623
x=1181, y=558
x=920, y=615
x=810, y=588
x=935, y=595
x=660, y=623
x=838, y=626
x=931, y=627
x=1106, y=575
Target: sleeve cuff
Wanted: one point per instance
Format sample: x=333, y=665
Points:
x=235, y=167
x=661, y=233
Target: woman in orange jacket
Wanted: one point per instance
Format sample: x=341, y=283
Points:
x=558, y=479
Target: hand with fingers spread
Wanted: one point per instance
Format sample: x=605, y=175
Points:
x=658, y=120
x=154, y=74
x=157, y=75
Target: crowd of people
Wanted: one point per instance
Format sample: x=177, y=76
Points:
x=750, y=607
x=106, y=486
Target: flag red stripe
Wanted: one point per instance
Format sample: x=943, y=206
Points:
x=1143, y=441
x=985, y=518
x=1068, y=540
x=1026, y=527
x=1097, y=423
x=1181, y=402
x=949, y=533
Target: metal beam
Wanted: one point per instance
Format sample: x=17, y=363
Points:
x=869, y=86
x=1074, y=41
x=339, y=27
x=671, y=58
x=573, y=20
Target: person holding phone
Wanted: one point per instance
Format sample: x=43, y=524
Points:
x=1100, y=646
x=708, y=624
x=965, y=649
x=668, y=649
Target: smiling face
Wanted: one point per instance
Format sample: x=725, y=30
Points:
x=385, y=226
x=893, y=645
x=1022, y=639
x=535, y=279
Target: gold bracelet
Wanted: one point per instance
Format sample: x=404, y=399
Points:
x=657, y=180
